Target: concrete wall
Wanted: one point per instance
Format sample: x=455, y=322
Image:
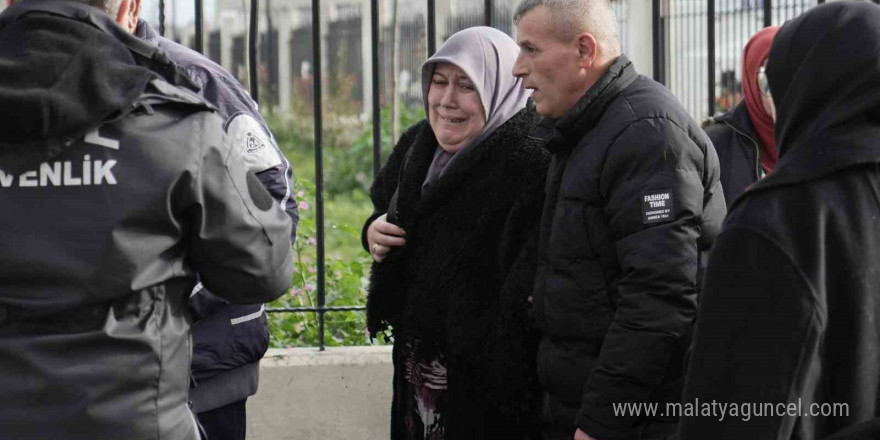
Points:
x=341, y=393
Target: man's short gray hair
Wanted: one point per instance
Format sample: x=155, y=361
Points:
x=110, y=7
x=571, y=17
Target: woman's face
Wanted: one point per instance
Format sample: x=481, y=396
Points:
x=455, y=110
x=766, y=98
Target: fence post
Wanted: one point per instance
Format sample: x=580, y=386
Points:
x=200, y=23
x=768, y=13
x=656, y=30
x=252, y=52
x=377, y=110
x=319, y=166
x=162, y=18
x=710, y=26
x=488, y=12
x=432, y=28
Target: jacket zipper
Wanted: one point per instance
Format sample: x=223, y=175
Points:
x=757, y=150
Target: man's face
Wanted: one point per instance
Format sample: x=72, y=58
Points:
x=547, y=65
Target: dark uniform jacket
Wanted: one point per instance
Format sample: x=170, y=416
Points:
x=463, y=278
x=116, y=189
x=734, y=138
x=229, y=339
x=791, y=311
x=633, y=198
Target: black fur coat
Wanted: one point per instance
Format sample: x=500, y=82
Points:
x=463, y=279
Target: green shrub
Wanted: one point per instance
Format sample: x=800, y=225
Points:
x=348, y=173
x=345, y=285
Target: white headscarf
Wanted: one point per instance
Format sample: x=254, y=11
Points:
x=486, y=55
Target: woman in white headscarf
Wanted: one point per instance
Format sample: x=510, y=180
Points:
x=453, y=237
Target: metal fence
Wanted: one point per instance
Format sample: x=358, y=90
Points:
x=697, y=46
x=700, y=60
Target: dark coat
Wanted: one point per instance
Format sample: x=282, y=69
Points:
x=463, y=278
x=633, y=198
x=791, y=311
x=97, y=261
x=736, y=143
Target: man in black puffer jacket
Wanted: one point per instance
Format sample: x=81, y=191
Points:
x=632, y=201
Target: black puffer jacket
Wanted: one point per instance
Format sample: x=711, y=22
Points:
x=633, y=197
x=736, y=143
x=791, y=311
x=463, y=278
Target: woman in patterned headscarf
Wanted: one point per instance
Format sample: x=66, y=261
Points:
x=454, y=237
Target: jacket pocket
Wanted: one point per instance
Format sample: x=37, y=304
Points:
x=568, y=236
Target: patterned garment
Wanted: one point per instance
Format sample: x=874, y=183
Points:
x=423, y=392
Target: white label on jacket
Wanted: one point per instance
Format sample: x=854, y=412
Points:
x=63, y=173
x=249, y=138
x=94, y=137
x=657, y=207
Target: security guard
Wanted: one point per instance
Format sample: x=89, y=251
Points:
x=116, y=188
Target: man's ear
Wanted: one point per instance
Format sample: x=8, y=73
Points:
x=9, y=2
x=129, y=12
x=588, y=49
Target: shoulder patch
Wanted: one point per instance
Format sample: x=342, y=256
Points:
x=249, y=138
x=657, y=207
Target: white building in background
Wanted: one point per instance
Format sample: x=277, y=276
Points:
x=685, y=64
x=231, y=18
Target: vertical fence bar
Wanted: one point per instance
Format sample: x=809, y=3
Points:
x=267, y=47
x=768, y=12
x=710, y=30
x=252, y=51
x=656, y=40
x=821, y=2
x=432, y=27
x=200, y=26
x=688, y=20
x=377, y=110
x=162, y=18
x=676, y=15
x=488, y=12
x=679, y=28
x=319, y=165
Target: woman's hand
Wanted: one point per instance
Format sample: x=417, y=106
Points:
x=382, y=236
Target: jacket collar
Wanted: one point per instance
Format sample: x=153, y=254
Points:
x=559, y=133
x=146, y=32
x=739, y=118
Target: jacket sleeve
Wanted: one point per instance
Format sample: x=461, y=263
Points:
x=385, y=182
x=239, y=236
x=257, y=148
x=652, y=160
x=243, y=115
x=756, y=340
